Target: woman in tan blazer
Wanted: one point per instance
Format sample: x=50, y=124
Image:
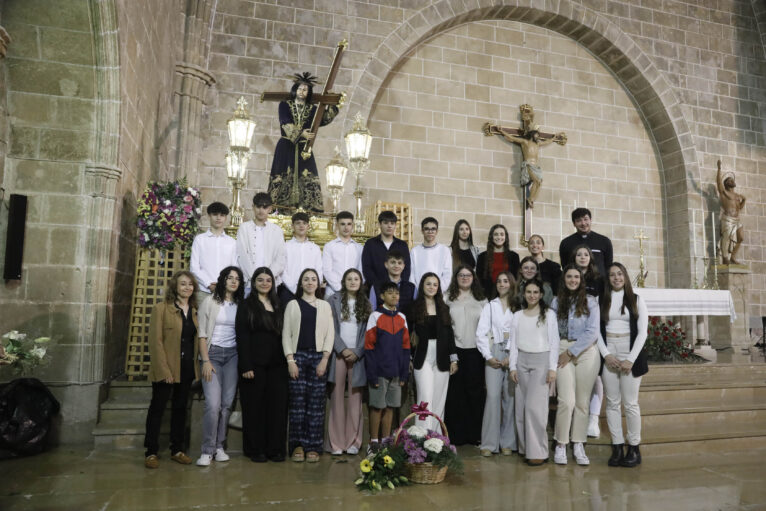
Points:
x=173, y=345
x=307, y=339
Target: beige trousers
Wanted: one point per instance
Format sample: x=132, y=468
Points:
x=574, y=385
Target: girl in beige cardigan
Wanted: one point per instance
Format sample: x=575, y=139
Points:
x=307, y=339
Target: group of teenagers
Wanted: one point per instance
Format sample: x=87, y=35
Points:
x=493, y=341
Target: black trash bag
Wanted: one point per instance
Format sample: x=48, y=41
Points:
x=27, y=409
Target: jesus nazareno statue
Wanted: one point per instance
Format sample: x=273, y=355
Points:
x=294, y=181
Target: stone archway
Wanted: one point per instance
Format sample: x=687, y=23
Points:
x=653, y=96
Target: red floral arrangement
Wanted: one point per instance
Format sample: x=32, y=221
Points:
x=666, y=342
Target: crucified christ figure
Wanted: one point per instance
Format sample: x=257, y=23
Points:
x=530, y=139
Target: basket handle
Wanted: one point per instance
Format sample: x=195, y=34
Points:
x=410, y=416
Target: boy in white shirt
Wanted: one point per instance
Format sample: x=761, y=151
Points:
x=300, y=254
x=212, y=251
x=340, y=254
x=260, y=242
x=431, y=256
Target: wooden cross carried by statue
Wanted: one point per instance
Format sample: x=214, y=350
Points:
x=323, y=100
x=531, y=139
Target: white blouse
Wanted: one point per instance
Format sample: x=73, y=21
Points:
x=619, y=324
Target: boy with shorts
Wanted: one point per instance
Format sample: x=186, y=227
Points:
x=387, y=362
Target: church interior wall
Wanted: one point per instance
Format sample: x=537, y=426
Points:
x=711, y=55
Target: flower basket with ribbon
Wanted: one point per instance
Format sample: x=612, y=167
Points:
x=429, y=454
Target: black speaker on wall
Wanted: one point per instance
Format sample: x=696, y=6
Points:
x=14, y=242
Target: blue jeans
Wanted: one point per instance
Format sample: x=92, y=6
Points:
x=219, y=396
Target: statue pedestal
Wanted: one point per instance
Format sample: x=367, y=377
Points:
x=724, y=333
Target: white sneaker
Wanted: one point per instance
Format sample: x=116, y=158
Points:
x=220, y=455
x=204, y=460
x=560, y=455
x=593, y=430
x=579, y=453
x=336, y=453
x=353, y=450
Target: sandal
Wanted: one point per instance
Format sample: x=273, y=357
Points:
x=312, y=457
x=298, y=455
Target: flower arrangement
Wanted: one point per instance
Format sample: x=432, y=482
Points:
x=384, y=468
x=665, y=343
x=413, y=454
x=428, y=446
x=168, y=214
x=21, y=353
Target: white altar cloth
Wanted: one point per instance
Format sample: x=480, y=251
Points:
x=687, y=302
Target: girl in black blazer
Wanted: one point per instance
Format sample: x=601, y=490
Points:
x=435, y=354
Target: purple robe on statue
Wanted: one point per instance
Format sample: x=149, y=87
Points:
x=294, y=182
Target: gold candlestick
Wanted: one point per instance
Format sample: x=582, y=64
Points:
x=641, y=267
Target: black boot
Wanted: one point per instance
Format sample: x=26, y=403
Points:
x=633, y=457
x=618, y=455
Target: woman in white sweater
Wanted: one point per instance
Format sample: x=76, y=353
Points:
x=218, y=351
x=533, y=357
x=307, y=339
x=624, y=324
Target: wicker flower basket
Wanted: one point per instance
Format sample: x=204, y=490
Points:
x=423, y=473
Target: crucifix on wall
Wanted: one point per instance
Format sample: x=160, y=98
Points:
x=530, y=139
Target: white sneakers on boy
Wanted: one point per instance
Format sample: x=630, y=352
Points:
x=353, y=450
x=560, y=454
x=579, y=453
x=220, y=455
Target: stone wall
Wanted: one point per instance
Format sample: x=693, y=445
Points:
x=91, y=113
x=691, y=76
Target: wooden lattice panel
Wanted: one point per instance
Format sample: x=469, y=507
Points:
x=154, y=268
x=403, y=226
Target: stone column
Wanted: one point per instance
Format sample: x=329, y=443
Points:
x=192, y=83
x=725, y=334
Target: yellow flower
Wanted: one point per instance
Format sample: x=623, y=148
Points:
x=388, y=462
x=365, y=465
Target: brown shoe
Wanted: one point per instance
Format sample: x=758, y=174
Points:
x=182, y=458
x=152, y=461
x=312, y=457
x=535, y=463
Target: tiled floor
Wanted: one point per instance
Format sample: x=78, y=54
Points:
x=81, y=479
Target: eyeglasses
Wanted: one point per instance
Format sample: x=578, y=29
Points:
x=464, y=275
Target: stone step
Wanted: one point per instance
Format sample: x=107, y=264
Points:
x=696, y=426
x=692, y=447
x=703, y=374
x=754, y=394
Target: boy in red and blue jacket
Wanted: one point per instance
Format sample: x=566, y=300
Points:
x=387, y=361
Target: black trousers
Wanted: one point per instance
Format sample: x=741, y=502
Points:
x=464, y=408
x=178, y=393
x=264, y=411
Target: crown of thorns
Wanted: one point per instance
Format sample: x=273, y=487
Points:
x=306, y=78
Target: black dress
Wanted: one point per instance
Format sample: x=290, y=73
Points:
x=466, y=258
x=264, y=397
x=294, y=182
